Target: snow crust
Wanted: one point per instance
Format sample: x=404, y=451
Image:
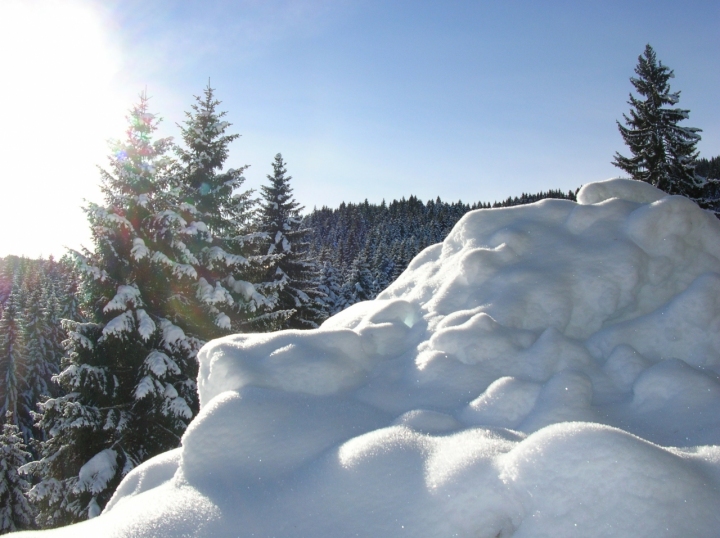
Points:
x=548, y=370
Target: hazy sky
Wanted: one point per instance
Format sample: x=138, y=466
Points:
x=466, y=100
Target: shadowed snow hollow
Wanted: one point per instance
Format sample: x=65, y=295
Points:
x=548, y=370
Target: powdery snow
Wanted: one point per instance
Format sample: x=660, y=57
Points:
x=126, y=297
x=95, y=474
x=549, y=370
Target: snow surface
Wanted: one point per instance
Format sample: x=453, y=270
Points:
x=548, y=370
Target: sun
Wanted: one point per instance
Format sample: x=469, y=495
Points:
x=58, y=66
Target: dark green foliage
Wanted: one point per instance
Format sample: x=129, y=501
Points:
x=709, y=171
x=219, y=236
x=708, y=168
x=32, y=336
x=210, y=191
x=292, y=276
x=663, y=152
x=16, y=513
x=13, y=364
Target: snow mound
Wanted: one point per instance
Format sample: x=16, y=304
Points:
x=548, y=370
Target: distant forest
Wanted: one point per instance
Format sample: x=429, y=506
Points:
x=708, y=168
x=362, y=248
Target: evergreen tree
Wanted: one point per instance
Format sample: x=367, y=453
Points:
x=709, y=171
x=708, y=168
x=52, y=320
x=220, y=242
x=663, y=152
x=40, y=359
x=360, y=285
x=16, y=513
x=293, y=277
x=128, y=378
x=12, y=365
x=66, y=288
x=331, y=288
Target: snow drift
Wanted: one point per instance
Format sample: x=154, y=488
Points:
x=548, y=370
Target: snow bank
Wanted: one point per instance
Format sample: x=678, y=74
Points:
x=549, y=370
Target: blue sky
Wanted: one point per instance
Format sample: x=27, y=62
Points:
x=382, y=99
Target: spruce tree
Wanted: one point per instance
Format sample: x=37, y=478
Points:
x=66, y=288
x=709, y=171
x=16, y=513
x=12, y=365
x=331, y=288
x=40, y=355
x=219, y=238
x=360, y=284
x=293, y=278
x=663, y=152
x=52, y=319
x=128, y=377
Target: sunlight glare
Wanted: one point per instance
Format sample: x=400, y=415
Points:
x=58, y=66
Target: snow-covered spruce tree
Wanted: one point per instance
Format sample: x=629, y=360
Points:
x=128, y=377
x=709, y=171
x=12, y=365
x=66, y=287
x=52, y=319
x=16, y=513
x=331, y=287
x=360, y=284
x=219, y=239
x=663, y=152
x=293, y=277
x=41, y=360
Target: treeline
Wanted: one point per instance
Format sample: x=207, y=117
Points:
x=362, y=248
x=708, y=168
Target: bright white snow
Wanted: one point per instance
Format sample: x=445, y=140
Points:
x=549, y=370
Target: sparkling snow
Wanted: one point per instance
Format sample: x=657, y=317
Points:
x=549, y=370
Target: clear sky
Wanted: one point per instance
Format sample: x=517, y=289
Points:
x=471, y=100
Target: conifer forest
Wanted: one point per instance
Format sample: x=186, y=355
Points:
x=97, y=349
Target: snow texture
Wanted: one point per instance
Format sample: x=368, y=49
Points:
x=548, y=370
x=146, y=326
x=126, y=297
x=119, y=326
x=139, y=250
x=94, y=475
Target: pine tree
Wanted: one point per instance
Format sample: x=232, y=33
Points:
x=663, y=152
x=220, y=241
x=293, y=277
x=16, y=513
x=128, y=377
